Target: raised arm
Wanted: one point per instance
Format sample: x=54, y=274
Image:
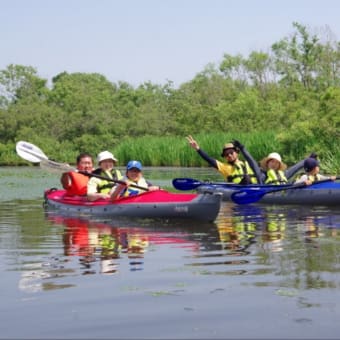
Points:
x=251, y=161
x=193, y=143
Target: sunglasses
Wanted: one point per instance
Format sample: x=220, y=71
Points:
x=228, y=152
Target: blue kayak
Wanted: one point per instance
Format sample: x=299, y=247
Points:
x=323, y=193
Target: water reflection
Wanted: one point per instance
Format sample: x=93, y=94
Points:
x=256, y=233
x=92, y=278
x=240, y=231
x=104, y=242
x=241, y=226
x=265, y=243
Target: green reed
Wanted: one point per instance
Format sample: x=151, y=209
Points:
x=175, y=151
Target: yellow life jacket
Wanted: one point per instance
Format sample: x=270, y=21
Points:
x=276, y=177
x=105, y=186
x=313, y=178
x=242, y=174
x=131, y=191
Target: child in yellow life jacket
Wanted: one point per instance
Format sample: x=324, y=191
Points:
x=274, y=169
x=311, y=166
x=133, y=176
x=99, y=188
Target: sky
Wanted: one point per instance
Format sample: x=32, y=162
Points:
x=137, y=41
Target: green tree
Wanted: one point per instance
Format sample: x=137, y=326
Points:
x=296, y=58
x=18, y=82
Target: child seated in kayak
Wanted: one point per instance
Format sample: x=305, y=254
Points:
x=274, y=168
x=98, y=188
x=274, y=171
x=311, y=166
x=133, y=177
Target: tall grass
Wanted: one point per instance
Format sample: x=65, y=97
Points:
x=175, y=151
x=330, y=162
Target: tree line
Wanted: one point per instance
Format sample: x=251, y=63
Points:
x=293, y=91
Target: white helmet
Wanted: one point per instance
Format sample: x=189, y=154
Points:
x=105, y=155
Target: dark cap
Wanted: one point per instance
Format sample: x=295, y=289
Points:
x=309, y=164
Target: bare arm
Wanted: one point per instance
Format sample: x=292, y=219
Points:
x=116, y=192
x=65, y=180
x=92, y=194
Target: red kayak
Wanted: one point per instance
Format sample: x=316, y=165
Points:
x=151, y=204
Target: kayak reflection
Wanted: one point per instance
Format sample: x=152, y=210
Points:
x=243, y=237
x=241, y=226
x=95, y=241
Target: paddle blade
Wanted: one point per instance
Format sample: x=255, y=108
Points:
x=30, y=152
x=247, y=196
x=185, y=183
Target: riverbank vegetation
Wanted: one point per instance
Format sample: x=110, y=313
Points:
x=285, y=100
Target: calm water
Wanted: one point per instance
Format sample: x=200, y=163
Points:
x=257, y=272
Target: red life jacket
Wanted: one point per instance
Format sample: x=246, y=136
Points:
x=77, y=185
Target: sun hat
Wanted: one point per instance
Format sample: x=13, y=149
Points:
x=309, y=164
x=273, y=155
x=105, y=155
x=134, y=164
x=228, y=146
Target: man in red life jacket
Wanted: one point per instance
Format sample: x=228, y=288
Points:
x=75, y=183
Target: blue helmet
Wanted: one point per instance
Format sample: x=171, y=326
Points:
x=134, y=164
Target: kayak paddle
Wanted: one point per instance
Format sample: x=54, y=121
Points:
x=188, y=183
x=34, y=154
x=30, y=152
x=247, y=196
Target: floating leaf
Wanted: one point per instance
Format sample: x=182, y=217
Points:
x=286, y=292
